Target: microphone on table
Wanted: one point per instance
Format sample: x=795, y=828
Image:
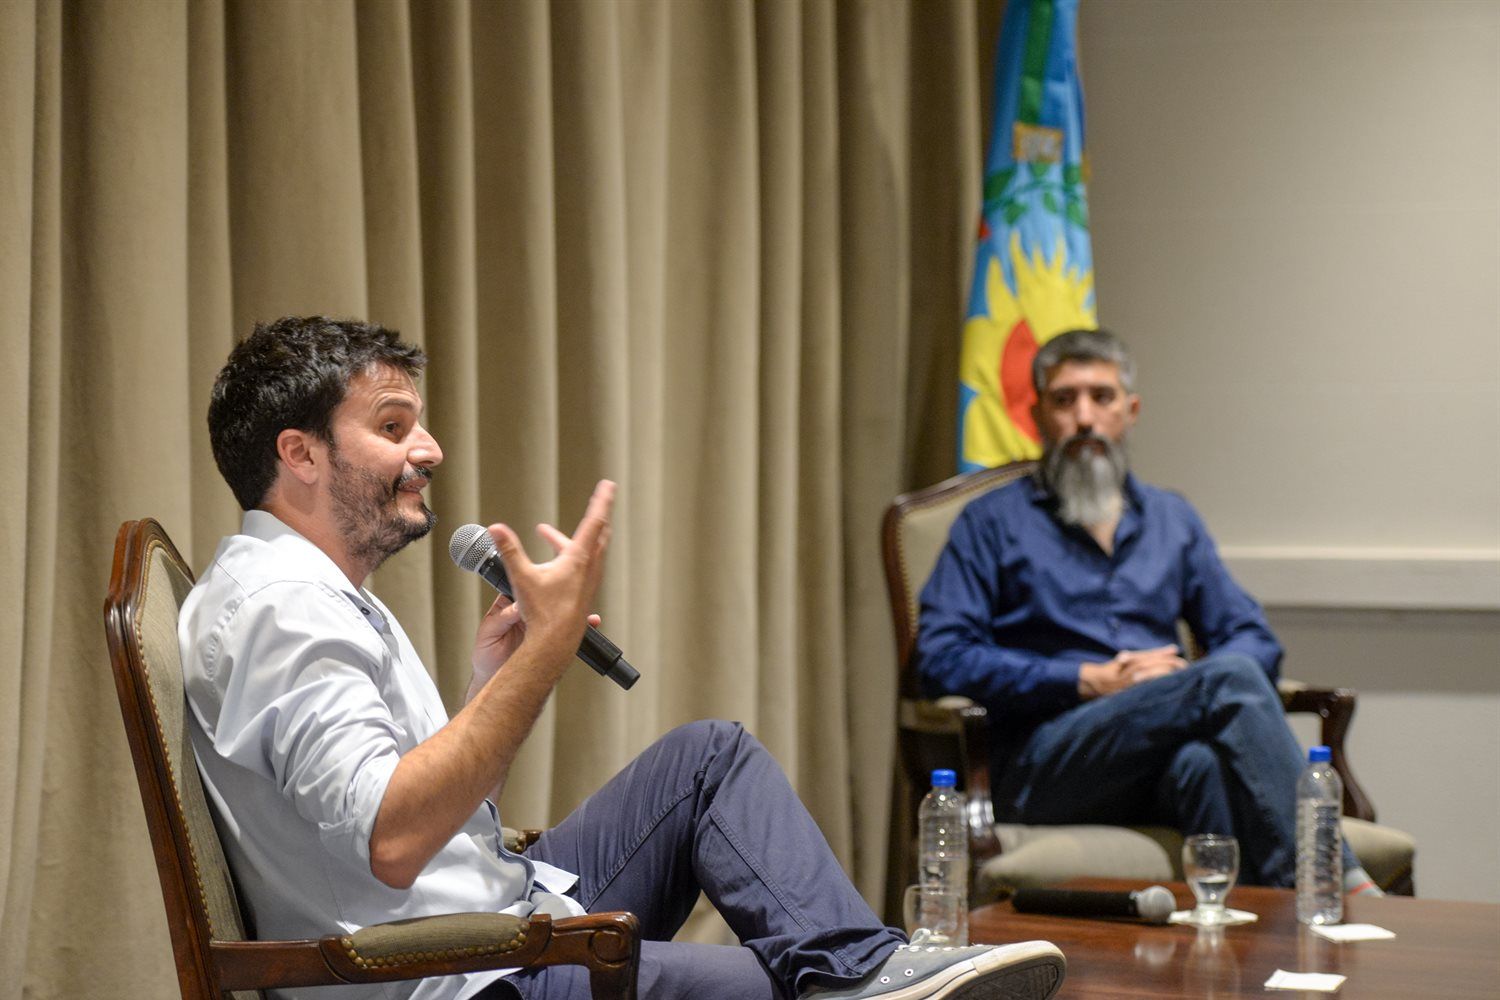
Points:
x=474, y=550
x=1153, y=904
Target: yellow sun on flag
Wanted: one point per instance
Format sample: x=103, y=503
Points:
x=1000, y=343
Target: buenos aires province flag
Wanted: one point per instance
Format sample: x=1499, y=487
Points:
x=1033, y=267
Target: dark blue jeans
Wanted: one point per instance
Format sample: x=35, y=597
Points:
x=706, y=808
x=1204, y=750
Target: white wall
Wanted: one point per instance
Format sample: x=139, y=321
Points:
x=1296, y=217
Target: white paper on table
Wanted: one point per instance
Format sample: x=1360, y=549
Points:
x=1317, y=982
x=1352, y=932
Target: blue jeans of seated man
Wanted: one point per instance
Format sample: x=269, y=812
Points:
x=706, y=808
x=1205, y=750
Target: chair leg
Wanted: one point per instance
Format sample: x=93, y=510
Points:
x=610, y=949
x=613, y=983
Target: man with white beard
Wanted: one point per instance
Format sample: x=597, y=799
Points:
x=1055, y=605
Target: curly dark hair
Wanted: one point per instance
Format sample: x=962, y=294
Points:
x=292, y=373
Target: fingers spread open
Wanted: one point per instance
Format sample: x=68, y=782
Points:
x=596, y=518
x=553, y=537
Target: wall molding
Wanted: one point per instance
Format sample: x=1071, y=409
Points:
x=1310, y=577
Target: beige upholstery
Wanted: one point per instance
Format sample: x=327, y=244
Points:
x=166, y=586
x=1386, y=852
x=453, y=933
x=1033, y=856
x=952, y=732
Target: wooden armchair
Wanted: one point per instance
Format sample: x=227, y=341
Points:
x=954, y=732
x=213, y=952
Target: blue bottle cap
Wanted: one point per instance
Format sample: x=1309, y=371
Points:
x=1319, y=755
x=944, y=778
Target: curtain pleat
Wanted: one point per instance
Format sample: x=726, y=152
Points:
x=713, y=250
x=28, y=385
x=211, y=329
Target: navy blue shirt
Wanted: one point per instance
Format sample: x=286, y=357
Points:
x=1019, y=600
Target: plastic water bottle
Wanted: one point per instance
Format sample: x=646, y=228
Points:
x=943, y=910
x=1320, y=841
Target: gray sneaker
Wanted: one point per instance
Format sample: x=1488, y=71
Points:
x=1030, y=970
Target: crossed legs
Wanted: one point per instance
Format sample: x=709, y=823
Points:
x=706, y=808
x=1206, y=749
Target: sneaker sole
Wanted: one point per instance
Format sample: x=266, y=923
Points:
x=1028, y=970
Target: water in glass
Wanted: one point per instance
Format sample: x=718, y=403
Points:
x=1210, y=863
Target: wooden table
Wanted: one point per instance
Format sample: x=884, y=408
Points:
x=1441, y=950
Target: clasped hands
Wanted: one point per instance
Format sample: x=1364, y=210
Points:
x=1128, y=668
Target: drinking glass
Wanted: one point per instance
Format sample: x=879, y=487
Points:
x=1211, y=863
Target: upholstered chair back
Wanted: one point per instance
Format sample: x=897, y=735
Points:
x=149, y=583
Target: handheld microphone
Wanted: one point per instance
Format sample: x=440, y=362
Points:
x=474, y=550
x=1153, y=904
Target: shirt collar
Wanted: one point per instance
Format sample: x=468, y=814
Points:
x=298, y=551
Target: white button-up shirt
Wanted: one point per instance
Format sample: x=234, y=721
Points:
x=303, y=693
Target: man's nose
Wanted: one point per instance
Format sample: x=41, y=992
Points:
x=425, y=449
x=1084, y=415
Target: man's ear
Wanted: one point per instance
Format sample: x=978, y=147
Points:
x=1133, y=407
x=302, y=454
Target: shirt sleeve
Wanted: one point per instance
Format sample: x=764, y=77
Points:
x=1221, y=614
x=302, y=707
x=957, y=652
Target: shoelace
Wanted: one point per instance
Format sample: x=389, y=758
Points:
x=910, y=972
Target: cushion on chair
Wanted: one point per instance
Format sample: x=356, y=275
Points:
x=1386, y=853
x=1045, y=855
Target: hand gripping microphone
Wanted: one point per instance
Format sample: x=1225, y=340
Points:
x=1153, y=905
x=473, y=549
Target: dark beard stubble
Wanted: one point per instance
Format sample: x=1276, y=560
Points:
x=368, y=513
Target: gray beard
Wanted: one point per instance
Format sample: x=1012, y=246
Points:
x=1089, y=484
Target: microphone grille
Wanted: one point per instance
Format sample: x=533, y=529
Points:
x=470, y=546
x=1155, y=904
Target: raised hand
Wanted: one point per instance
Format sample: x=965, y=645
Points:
x=439, y=783
x=552, y=597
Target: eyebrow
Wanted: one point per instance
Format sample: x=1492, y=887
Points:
x=1086, y=387
x=400, y=402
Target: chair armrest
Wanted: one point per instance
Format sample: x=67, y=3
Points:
x=608, y=944
x=1335, y=706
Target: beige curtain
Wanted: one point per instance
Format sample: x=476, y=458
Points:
x=714, y=250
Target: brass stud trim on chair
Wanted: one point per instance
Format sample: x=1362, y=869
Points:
x=152, y=546
x=376, y=961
